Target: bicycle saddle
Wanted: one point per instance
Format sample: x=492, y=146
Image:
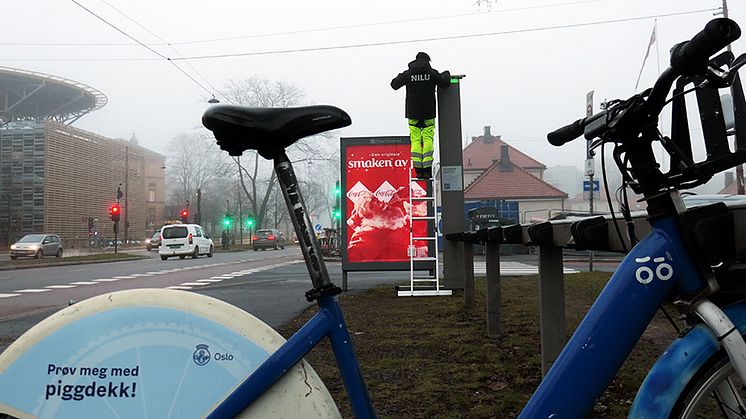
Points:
x=269, y=130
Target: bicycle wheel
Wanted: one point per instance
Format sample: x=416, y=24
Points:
x=149, y=353
x=715, y=391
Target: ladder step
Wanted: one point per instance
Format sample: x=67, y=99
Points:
x=423, y=198
x=423, y=218
x=425, y=258
x=424, y=238
x=424, y=280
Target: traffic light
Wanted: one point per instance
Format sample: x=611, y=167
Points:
x=114, y=212
x=250, y=222
x=184, y=216
x=227, y=220
x=337, y=190
x=337, y=213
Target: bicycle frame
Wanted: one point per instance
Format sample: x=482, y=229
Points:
x=653, y=270
x=327, y=322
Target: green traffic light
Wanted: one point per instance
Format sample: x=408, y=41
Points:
x=337, y=213
x=250, y=222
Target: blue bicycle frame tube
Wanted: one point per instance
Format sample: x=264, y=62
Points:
x=654, y=268
x=327, y=322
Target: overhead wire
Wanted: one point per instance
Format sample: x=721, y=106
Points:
x=143, y=45
x=440, y=38
x=214, y=90
x=366, y=45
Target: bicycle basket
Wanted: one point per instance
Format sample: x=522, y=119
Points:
x=719, y=118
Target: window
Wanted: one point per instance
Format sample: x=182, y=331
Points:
x=151, y=192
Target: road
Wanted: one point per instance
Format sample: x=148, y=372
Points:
x=268, y=284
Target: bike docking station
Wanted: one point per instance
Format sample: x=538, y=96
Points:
x=391, y=215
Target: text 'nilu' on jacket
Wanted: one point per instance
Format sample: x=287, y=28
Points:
x=421, y=80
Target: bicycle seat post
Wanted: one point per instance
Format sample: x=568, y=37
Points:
x=306, y=239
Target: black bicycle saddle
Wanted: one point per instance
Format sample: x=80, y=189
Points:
x=269, y=130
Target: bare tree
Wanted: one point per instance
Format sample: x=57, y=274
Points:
x=194, y=163
x=256, y=176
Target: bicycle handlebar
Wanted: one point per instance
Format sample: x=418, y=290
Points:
x=572, y=131
x=690, y=57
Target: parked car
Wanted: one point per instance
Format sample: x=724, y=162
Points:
x=184, y=240
x=37, y=246
x=268, y=239
x=694, y=200
x=153, y=242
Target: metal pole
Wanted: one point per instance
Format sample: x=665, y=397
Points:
x=126, y=193
x=741, y=190
x=452, y=182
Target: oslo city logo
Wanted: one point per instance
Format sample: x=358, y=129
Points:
x=201, y=355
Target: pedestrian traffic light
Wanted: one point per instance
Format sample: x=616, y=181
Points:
x=184, y=216
x=114, y=212
x=337, y=213
x=337, y=190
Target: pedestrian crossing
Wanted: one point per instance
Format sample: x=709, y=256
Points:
x=513, y=269
x=183, y=286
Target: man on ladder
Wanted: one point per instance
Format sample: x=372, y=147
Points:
x=421, y=80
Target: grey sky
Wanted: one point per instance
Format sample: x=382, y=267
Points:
x=523, y=84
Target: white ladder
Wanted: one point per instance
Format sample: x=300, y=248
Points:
x=423, y=285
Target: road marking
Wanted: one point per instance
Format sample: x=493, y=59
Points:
x=221, y=277
x=124, y=277
x=106, y=280
x=514, y=268
x=84, y=283
x=138, y=275
x=33, y=290
x=194, y=284
x=152, y=273
x=54, y=287
x=178, y=287
x=209, y=280
x=9, y=295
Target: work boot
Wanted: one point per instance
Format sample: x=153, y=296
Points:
x=418, y=173
x=427, y=172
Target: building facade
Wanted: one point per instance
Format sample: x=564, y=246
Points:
x=58, y=179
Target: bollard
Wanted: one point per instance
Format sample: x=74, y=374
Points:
x=551, y=293
x=492, y=237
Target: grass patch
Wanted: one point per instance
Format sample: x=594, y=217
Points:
x=430, y=356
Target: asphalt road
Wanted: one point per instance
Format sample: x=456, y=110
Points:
x=268, y=284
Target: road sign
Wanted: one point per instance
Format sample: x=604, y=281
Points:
x=318, y=227
x=587, y=186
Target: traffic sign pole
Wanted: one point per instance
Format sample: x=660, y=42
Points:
x=589, y=168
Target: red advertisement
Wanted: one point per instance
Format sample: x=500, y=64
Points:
x=377, y=209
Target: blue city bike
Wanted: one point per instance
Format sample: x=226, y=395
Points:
x=688, y=259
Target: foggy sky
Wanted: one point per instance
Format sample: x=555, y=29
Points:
x=522, y=84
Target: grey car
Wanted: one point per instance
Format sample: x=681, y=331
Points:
x=268, y=239
x=37, y=246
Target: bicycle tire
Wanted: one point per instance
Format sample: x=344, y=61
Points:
x=175, y=346
x=715, y=391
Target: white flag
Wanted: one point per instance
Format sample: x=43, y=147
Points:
x=650, y=45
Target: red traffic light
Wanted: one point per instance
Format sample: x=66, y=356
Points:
x=114, y=212
x=184, y=213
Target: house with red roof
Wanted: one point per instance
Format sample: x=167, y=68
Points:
x=496, y=172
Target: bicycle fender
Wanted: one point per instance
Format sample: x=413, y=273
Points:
x=674, y=369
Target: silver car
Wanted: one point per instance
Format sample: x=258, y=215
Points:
x=37, y=246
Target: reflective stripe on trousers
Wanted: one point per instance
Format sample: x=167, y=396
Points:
x=421, y=136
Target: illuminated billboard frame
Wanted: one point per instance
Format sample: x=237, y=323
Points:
x=373, y=170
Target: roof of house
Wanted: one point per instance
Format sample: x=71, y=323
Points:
x=482, y=151
x=512, y=184
x=731, y=189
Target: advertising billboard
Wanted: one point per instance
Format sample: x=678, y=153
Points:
x=376, y=172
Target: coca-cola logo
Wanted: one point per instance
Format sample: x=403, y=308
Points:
x=385, y=192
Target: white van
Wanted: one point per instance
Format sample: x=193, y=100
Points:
x=184, y=240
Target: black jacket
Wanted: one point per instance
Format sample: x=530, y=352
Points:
x=421, y=80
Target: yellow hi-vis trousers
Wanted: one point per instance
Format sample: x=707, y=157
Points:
x=422, y=135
